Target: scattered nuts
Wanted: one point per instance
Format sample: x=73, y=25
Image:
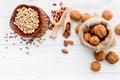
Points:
x=70, y=42
x=100, y=31
x=94, y=40
x=99, y=56
x=65, y=43
x=112, y=57
x=65, y=51
x=117, y=29
x=77, y=28
x=87, y=36
x=85, y=17
x=95, y=66
x=107, y=14
x=75, y=15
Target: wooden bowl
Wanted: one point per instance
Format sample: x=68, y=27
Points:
x=17, y=30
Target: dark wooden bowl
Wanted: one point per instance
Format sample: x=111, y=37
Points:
x=16, y=29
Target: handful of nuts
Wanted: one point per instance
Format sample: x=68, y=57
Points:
x=95, y=33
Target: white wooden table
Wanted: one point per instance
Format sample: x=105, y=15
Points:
x=47, y=62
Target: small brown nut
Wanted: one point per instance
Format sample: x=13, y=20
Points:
x=100, y=31
x=112, y=57
x=77, y=28
x=99, y=56
x=117, y=29
x=92, y=30
x=65, y=43
x=70, y=42
x=107, y=14
x=95, y=66
x=94, y=40
x=87, y=36
x=65, y=51
x=66, y=35
x=75, y=15
x=85, y=17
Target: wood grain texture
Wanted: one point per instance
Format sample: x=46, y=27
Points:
x=47, y=62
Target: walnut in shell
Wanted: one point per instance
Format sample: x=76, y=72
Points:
x=75, y=15
x=77, y=28
x=107, y=14
x=94, y=40
x=87, y=36
x=95, y=66
x=117, y=29
x=85, y=17
x=112, y=57
x=99, y=56
x=100, y=31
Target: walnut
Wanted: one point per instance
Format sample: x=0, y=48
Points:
x=77, y=28
x=95, y=66
x=112, y=57
x=87, y=36
x=107, y=14
x=100, y=31
x=75, y=15
x=94, y=40
x=85, y=17
x=92, y=30
x=99, y=56
x=117, y=29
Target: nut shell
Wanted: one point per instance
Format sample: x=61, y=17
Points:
x=95, y=66
x=107, y=14
x=112, y=57
x=77, y=28
x=75, y=15
x=99, y=56
x=100, y=31
x=85, y=17
x=94, y=40
x=117, y=29
x=87, y=36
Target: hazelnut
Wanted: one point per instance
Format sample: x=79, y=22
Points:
x=94, y=40
x=117, y=29
x=95, y=66
x=107, y=14
x=85, y=17
x=112, y=57
x=100, y=31
x=99, y=56
x=77, y=28
x=87, y=36
x=75, y=15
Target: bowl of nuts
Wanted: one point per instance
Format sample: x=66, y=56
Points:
x=96, y=33
x=29, y=21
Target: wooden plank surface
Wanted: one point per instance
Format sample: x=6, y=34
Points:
x=46, y=62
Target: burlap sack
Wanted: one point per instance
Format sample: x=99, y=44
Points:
x=109, y=40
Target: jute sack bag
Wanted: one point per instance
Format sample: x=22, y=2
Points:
x=109, y=40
